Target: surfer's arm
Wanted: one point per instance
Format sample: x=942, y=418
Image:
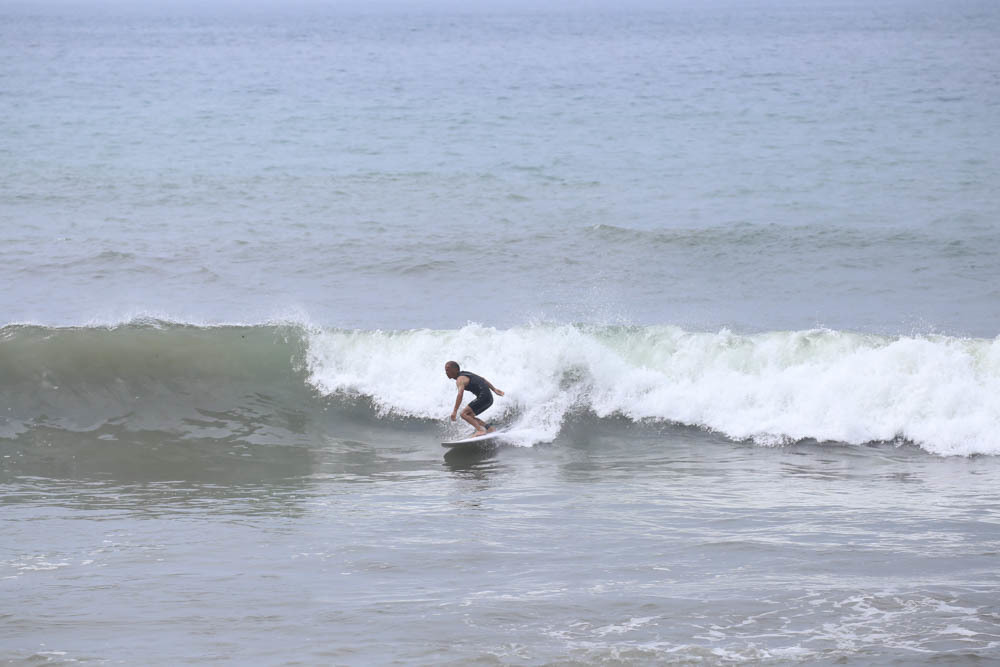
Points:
x=458, y=399
x=493, y=389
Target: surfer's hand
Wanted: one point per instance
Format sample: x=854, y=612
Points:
x=499, y=393
x=453, y=416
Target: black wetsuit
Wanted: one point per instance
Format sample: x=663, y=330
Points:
x=478, y=386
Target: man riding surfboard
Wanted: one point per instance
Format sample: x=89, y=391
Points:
x=479, y=386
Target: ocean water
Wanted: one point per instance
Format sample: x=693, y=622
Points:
x=735, y=264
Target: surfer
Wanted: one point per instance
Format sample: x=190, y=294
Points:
x=479, y=386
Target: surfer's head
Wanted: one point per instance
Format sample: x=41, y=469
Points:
x=451, y=369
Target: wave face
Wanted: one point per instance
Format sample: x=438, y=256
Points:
x=286, y=382
x=149, y=375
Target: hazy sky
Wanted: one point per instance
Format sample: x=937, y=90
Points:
x=161, y=7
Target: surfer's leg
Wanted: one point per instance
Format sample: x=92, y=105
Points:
x=476, y=423
x=475, y=408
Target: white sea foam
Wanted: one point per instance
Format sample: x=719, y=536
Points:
x=940, y=392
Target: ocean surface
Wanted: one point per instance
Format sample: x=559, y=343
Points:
x=735, y=264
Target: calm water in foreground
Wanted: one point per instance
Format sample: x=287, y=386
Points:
x=613, y=543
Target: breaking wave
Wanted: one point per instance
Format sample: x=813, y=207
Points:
x=278, y=381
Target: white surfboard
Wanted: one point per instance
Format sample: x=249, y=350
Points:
x=475, y=440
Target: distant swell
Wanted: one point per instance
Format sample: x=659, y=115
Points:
x=279, y=383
